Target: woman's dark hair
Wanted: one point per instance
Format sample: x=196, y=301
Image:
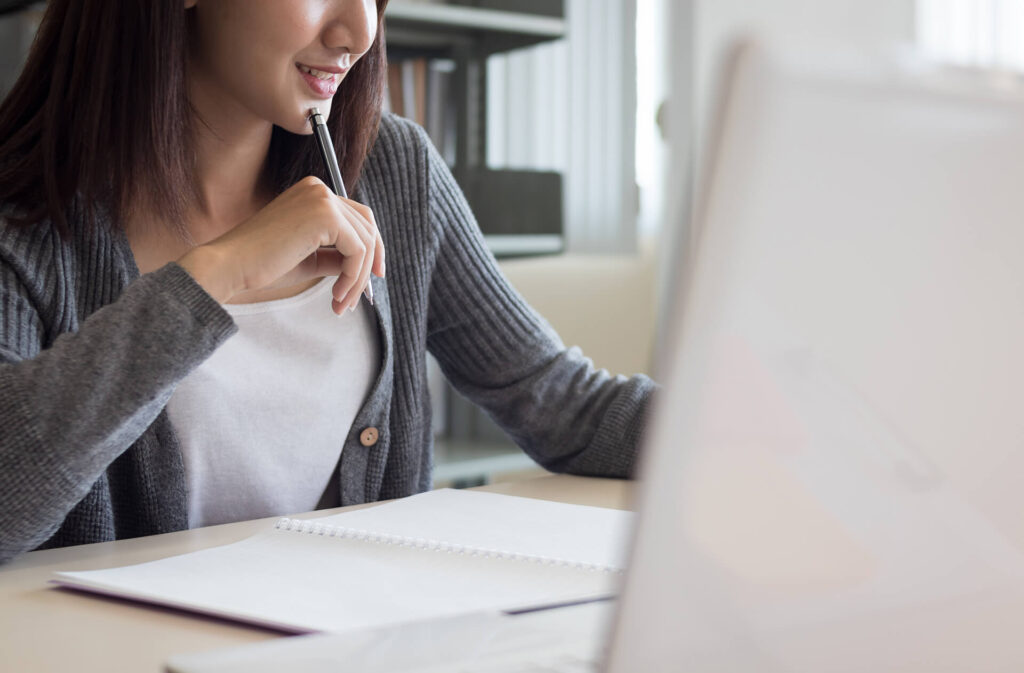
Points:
x=99, y=120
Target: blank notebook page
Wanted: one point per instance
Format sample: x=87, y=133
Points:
x=436, y=554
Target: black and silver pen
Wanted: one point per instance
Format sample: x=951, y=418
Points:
x=326, y=147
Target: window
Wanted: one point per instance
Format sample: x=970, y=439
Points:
x=986, y=33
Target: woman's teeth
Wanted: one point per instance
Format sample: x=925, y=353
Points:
x=319, y=74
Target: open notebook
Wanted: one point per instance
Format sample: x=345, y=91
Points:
x=436, y=554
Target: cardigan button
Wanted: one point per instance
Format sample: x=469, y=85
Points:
x=369, y=436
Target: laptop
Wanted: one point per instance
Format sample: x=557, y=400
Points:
x=830, y=478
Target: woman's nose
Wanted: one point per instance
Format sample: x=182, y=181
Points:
x=352, y=26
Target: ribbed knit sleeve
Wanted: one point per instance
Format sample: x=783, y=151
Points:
x=496, y=350
x=70, y=408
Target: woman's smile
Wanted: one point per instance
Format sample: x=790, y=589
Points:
x=323, y=80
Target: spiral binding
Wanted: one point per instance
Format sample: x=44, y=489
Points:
x=440, y=546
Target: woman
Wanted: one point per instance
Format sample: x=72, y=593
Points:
x=166, y=263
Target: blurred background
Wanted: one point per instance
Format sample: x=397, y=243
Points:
x=597, y=111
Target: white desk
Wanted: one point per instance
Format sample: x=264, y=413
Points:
x=47, y=629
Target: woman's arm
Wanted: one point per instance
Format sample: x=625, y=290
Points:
x=69, y=411
x=496, y=350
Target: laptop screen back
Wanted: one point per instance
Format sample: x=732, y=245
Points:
x=831, y=478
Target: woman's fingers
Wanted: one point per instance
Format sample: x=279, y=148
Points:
x=355, y=266
x=362, y=217
x=371, y=224
x=352, y=249
x=378, y=258
x=325, y=262
x=367, y=263
x=352, y=258
x=329, y=262
x=306, y=232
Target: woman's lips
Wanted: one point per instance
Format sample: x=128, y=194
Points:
x=323, y=83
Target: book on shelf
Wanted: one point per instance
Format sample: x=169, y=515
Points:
x=420, y=89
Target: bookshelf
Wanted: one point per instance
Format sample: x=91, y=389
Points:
x=459, y=35
x=494, y=30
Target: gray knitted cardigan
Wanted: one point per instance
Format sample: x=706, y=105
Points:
x=90, y=352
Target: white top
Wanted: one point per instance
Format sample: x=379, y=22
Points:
x=262, y=422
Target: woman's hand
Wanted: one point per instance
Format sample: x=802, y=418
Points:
x=306, y=232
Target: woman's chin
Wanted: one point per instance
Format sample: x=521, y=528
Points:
x=303, y=129
x=298, y=121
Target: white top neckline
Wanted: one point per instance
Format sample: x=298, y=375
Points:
x=285, y=302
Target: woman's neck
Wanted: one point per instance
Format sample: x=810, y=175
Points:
x=231, y=146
